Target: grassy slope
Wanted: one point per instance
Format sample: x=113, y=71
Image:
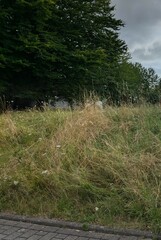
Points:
x=89, y=166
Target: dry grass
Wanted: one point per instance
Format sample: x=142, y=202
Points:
x=88, y=165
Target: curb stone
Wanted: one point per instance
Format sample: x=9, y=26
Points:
x=79, y=226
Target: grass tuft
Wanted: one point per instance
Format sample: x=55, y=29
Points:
x=88, y=165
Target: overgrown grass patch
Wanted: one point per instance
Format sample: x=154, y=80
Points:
x=87, y=165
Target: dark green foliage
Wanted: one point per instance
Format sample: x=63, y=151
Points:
x=138, y=84
x=29, y=47
x=57, y=47
x=66, y=47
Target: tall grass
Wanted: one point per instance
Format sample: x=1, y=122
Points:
x=87, y=165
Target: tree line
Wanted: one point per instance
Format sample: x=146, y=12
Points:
x=65, y=47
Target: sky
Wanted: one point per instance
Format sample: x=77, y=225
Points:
x=142, y=31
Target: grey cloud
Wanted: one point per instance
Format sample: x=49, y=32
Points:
x=150, y=53
x=138, y=12
x=142, y=29
x=141, y=18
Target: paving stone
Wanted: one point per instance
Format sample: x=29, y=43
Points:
x=95, y=238
x=34, y=237
x=8, y=222
x=73, y=232
x=23, y=230
x=23, y=225
x=65, y=231
x=82, y=238
x=10, y=230
x=96, y=235
x=2, y=236
x=50, y=229
x=28, y=234
x=2, y=221
x=128, y=238
x=55, y=238
x=37, y=227
x=19, y=238
x=13, y=236
x=87, y=234
x=110, y=237
x=5, y=227
x=48, y=236
x=61, y=236
x=71, y=238
x=41, y=233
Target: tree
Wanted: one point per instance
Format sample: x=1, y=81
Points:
x=90, y=34
x=137, y=83
x=57, y=47
x=29, y=49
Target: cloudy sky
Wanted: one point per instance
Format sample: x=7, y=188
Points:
x=142, y=31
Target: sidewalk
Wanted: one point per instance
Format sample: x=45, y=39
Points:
x=24, y=229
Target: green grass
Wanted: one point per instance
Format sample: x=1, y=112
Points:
x=87, y=165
